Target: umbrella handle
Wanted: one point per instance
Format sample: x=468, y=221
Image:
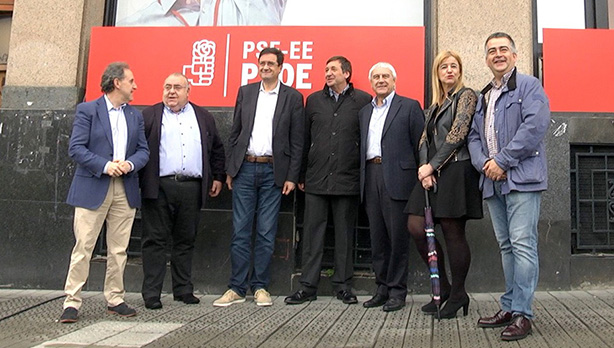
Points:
x=426, y=194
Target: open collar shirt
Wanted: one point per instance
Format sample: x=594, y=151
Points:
x=493, y=95
x=119, y=130
x=180, y=143
x=261, y=140
x=376, y=126
x=336, y=95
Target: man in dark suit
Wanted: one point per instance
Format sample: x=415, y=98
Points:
x=186, y=164
x=390, y=129
x=264, y=160
x=108, y=144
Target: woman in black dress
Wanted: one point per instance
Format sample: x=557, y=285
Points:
x=446, y=171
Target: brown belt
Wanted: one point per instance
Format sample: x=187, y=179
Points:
x=259, y=159
x=375, y=160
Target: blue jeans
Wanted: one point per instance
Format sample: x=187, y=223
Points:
x=514, y=219
x=253, y=192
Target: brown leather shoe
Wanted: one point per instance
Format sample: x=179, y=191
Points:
x=500, y=319
x=517, y=330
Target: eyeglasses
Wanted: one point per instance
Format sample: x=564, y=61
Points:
x=177, y=88
x=267, y=63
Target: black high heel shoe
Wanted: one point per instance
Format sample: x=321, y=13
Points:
x=431, y=308
x=451, y=307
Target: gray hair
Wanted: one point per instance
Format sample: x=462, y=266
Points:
x=385, y=66
x=113, y=71
x=178, y=74
x=497, y=35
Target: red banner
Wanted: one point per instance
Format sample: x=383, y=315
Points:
x=218, y=60
x=574, y=61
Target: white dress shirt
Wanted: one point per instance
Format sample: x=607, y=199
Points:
x=180, y=143
x=261, y=140
x=376, y=126
x=119, y=132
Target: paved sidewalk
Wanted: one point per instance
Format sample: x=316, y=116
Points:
x=579, y=319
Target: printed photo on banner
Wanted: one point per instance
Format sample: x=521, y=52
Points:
x=165, y=13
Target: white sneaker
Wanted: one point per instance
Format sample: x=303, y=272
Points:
x=263, y=298
x=229, y=297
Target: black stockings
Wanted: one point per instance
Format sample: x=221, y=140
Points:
x=458, y=252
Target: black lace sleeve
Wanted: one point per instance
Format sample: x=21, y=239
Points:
x=423, y=147
x=457, y=136
x=464, y=115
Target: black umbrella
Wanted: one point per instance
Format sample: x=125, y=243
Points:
x=429, y=229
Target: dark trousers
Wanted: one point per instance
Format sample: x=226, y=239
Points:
x=344, y=210
x=174, y=214
x=389, y=236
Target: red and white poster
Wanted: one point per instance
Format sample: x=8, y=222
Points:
x=576, y=62
x=218, y=60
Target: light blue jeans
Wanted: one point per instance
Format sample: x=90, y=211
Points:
x=514, y=219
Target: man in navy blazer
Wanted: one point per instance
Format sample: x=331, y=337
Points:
x=265, y=151
x=109, y=147
x=185, y=166
x=390, y=129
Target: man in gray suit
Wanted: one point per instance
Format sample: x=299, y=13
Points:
x=390, y=129
x=265, y=149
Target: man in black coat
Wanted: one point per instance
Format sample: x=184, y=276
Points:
x=330, y=178
x=390, y=129
x=186, y=164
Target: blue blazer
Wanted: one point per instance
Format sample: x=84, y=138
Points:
x=91, y=147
